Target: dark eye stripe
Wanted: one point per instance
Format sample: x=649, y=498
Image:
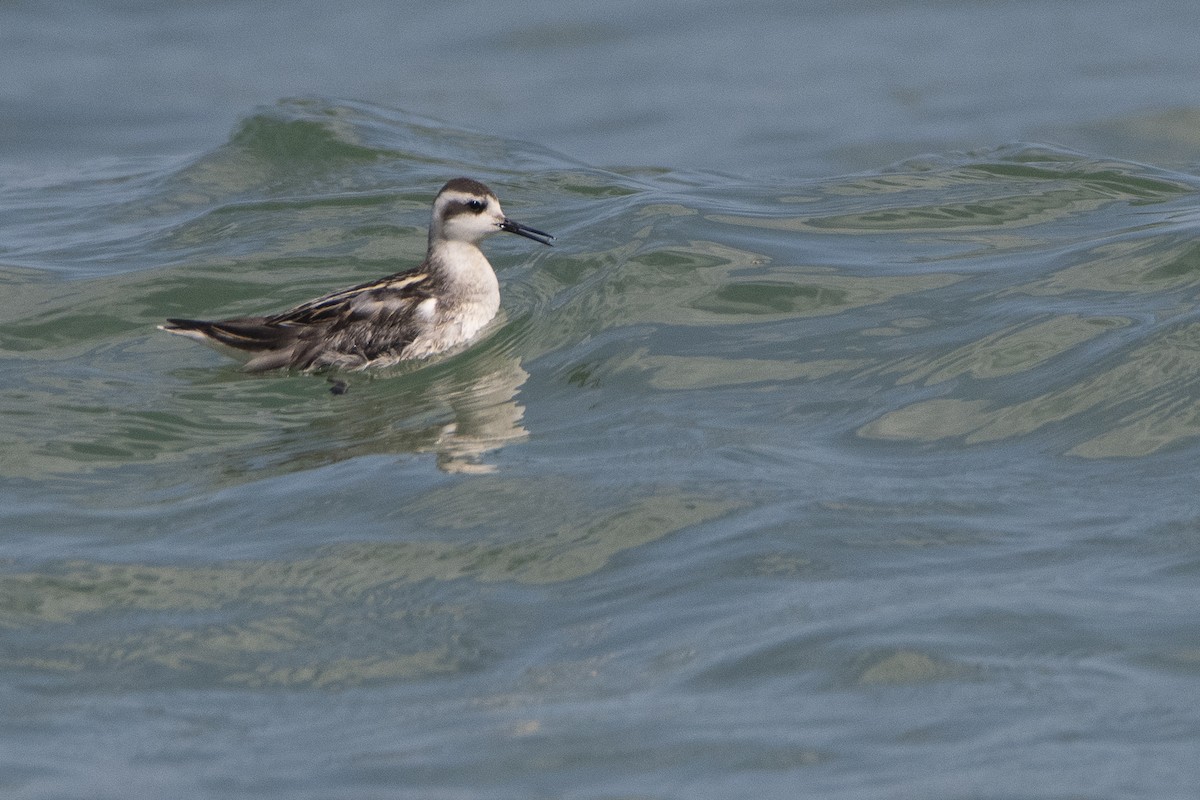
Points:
x=465, y=207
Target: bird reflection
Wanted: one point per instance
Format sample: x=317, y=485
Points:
x=460, y=415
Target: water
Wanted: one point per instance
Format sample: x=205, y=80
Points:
x=820, y=457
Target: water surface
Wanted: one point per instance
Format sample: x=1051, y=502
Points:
x=838, y=483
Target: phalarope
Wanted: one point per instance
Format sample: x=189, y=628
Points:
x=441, y=304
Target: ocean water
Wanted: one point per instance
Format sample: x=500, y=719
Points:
x=839, y=448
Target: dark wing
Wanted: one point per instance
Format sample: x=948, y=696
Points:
x=395, y=294
x=359, y=322
x=251, y=334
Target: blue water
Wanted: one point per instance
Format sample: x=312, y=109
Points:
x=842, y=446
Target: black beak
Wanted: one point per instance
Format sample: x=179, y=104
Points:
x=526, y=231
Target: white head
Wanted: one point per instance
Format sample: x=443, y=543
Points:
x=466, y=211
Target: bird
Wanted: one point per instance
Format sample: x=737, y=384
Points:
x=413, y=314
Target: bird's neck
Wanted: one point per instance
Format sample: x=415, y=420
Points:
x=463, y=267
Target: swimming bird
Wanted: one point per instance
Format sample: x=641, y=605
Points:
x=413, y=314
